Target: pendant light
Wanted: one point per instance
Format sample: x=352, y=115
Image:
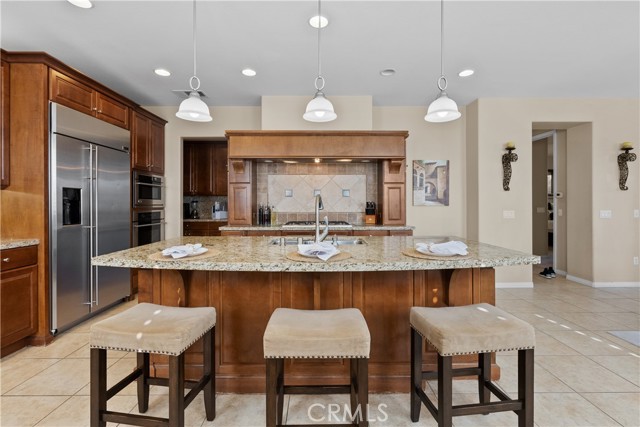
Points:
x=443, y=109
x=193, y=108
x=319, y=109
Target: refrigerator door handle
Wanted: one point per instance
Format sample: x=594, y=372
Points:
x=91, y=225
x=94, y=282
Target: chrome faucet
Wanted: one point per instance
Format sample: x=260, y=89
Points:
x=319, y=206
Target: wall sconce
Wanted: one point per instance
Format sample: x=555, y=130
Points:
x=507, y=159
x=623, y=158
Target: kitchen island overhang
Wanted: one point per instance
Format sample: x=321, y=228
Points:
x=250, y=277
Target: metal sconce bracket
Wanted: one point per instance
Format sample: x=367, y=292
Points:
x=623, y=158
x=507, y=159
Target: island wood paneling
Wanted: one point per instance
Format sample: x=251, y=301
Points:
x=244, y=302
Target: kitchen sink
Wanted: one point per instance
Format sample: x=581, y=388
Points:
x=338, y=241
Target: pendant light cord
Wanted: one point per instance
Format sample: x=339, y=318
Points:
x=319, y=83
x=442, y=38
x=194, y=77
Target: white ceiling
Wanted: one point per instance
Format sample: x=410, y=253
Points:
x=518, y=48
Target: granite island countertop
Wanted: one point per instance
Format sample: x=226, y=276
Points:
x=257, y=254
x=311, y=228
x=17, y=243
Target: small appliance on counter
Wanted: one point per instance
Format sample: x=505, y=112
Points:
x=186, y=211
x=370, y=213
x=219, y=211
x=194, y=210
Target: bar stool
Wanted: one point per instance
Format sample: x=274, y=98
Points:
x=150, y=328
x=322, y=334
x=474, y=329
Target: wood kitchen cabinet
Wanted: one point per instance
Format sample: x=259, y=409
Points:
x=205, y=169
x=74, y=94
x=6, y=123
x=391, y=191
x=18, y=297
x=202, y=228
x=147, y=143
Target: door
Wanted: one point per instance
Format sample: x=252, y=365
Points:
x=71, y=227
x=112, y=219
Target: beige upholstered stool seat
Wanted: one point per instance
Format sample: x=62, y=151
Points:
x=478, y=328
x=339, y=333
x=152, y=328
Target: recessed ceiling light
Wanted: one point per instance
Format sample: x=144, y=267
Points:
x=317, y=160
x=289, y=161
x=344, y=160
x=249, y=72
x=268, y=161
x=162, y=72
x=466, y=73
x=313, y=21
x=85, y=4
x=387, y=72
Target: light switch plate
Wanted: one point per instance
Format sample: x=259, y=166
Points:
x=559, y=212
x=636, y=213
x=288, y=193
x=541, y=210
x=509, y=214
x=606, y=214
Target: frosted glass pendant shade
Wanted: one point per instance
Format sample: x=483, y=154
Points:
x=319, y=109
x=194, y=109
x=443, y=109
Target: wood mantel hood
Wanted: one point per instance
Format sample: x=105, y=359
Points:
x=310, y=144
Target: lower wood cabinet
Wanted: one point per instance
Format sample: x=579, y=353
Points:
x=18, y=297
x=202, y=228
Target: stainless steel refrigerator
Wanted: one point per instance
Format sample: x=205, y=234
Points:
x=89, y=214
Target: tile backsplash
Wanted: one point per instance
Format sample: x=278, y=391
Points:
x=290, y=188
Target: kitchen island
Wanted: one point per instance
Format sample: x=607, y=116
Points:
x=247, y=278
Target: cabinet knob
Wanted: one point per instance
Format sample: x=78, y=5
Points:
x=95, y=109
x=6, y=259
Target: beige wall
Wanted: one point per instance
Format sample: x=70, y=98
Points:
x=474, y=146
x=560, y=206
x=224, y=118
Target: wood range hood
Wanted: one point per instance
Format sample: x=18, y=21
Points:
x=387, y=148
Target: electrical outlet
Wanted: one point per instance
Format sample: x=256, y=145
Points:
x=606, y=214
x=636, y=213
x=559, y=212
x=541, y=210
x=509, y=214
x=635, y=260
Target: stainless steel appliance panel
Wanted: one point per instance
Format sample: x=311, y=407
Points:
x=148, y=190
x=71, y=243
x=112, y=220
x=148, y=227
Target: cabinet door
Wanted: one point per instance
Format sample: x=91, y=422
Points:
x=157, y=147
x=67, y=91
x=393, y=210
x=187, y=168
x=221, y=179
x=4, y=113
x=112, y=111
x=240, y=204
x=18, y=306
x=140, y=156
x=203, y=174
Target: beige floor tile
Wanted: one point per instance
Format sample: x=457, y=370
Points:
x=85, y=353
x=16, y=371
x=568, y=409
x=497, y=419
x=588, y=344
x=584, y=375
x=630, y=305
x=238, y=410
x=546, y=345
x=633, y=293
x=26, y=411
x=75, y=411
x=557, y=306
x=65, y=344
x=117, y=371
x=593, y=322
x=628, y=367
x=631, y=321
x=159, y=407
x=546, y=321
x=320, y=409
x=517, y=305
x=622, y=407
x=392, y=410
x=64, y=378
x=544, y=381
x=594, y=305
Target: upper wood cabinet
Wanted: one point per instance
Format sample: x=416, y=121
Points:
x=4, y=113
x=205, y=169
x=81, y=97
x=147, y=143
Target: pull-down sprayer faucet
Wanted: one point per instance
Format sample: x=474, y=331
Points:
x=320, y=206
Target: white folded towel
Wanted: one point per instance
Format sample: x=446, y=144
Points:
x=453, y=247
x=184, y=250
x=322, y=250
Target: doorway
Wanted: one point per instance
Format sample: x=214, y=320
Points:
x=543, y=198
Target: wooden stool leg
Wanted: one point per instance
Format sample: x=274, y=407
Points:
x=363, y=391
x=525, y=387
x=271, y=392
x=98, y=386
x=210, y=369
x=416, y=374
x=445, y=390
x=176, y=391
x=484, y=364
x=142, y=382
x=353, y=385
x=280, y=383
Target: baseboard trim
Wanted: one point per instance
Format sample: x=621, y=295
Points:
x=561, y=272
x=602, y=284
x=512, y=285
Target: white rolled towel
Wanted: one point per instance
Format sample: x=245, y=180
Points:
x=184, y=250
x=322, y=250
x=453, y=247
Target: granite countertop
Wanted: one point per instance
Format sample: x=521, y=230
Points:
x=310, y=228
x=257, y=254
x=205, y=220
x=17, y=243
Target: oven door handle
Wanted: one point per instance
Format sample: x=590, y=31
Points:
x=149, y=185
x=149, y=225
